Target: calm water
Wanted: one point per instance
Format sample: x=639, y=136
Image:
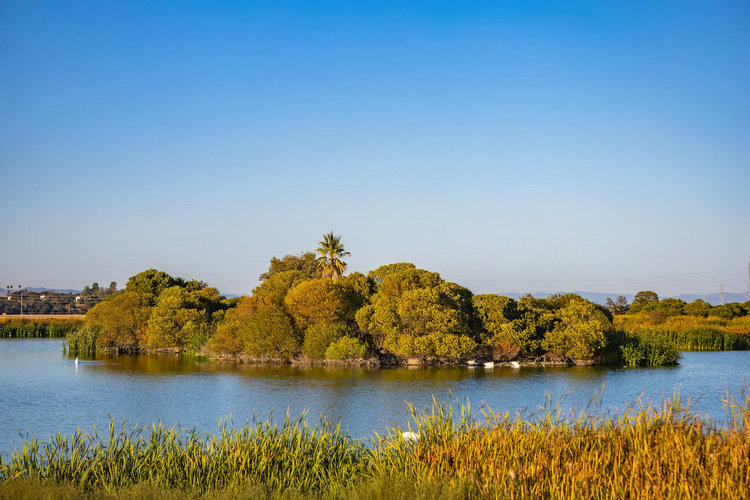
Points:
x=41, y=390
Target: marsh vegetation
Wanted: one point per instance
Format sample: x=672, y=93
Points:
x=662, y=451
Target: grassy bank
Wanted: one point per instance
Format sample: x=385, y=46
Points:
x=689, y=333
x=46, y=326
x=656, y=452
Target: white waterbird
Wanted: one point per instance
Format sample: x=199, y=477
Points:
x=489, y=364
x=515, y=364
x=410, y=436
x=76, y=360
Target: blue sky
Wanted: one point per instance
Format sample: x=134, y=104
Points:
x=510, y=146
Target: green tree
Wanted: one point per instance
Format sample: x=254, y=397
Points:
x=174, y=321
x=316, y=301
x=698, y=307
x=641, y=300
x=394, y=285
x=493, y=311
x=320, y=336
x=380, y=273
x=122, y=320
x=509, y=327
x=273, y=290
x=408, y=318
x=670, y=306
x=331, y=252
x=728, y=311
x=150, y=284
x=581, y=333
x=269, y=332
x=226, y=339
x=306, y=263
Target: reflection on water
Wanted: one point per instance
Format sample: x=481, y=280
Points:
x=43, y=391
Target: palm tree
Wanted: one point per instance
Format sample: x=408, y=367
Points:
x=331, y=250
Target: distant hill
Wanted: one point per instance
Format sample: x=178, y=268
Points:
x=596, y=297
x=601, y=298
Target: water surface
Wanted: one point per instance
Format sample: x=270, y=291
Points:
x=42, y=391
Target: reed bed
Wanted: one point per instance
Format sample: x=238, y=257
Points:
x=45, y=327
x=646, y=451
x=690, y=333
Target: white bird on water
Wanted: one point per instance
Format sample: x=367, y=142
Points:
x=515, y=364
x=76, y=360
x=410, y=436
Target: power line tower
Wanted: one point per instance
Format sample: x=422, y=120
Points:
x=721, y=296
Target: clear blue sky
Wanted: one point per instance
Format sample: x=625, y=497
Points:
x=510, y=146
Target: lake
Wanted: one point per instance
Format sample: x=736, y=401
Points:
x=42, y=391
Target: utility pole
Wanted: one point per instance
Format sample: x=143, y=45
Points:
x=19, y=286
x=721, y=295
x=747, y=295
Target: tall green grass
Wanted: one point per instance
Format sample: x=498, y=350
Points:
x=662, y=451
x=38, y=327
x=689, y=333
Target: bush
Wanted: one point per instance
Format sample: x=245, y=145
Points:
x=346, y=348
x=582, y=332
x=269, y=332
x=728, y=311
x=319, y=337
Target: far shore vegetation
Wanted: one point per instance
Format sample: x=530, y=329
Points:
x=307, y=309
x=662, y=451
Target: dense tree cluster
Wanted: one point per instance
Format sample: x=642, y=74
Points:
x=400, y=310
x=306, y=307
x=648, y=302
x=156, y=310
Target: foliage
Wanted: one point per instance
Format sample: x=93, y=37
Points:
x=346, y=348
x=698, y=307
x=226, y=338
x=493, y=311
x=358, y=289
x=268, y=332
x=274, y=289
x=416, y=313
x=150, y=284
x=320, y=336
x=381, y=272
x=305, y=263
x=581, y=333
x=331, y=251
x=642, y=299
x=510, y=328
x=316, y=301
x=122, y=320
x=728, y=311
x=176, y=321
